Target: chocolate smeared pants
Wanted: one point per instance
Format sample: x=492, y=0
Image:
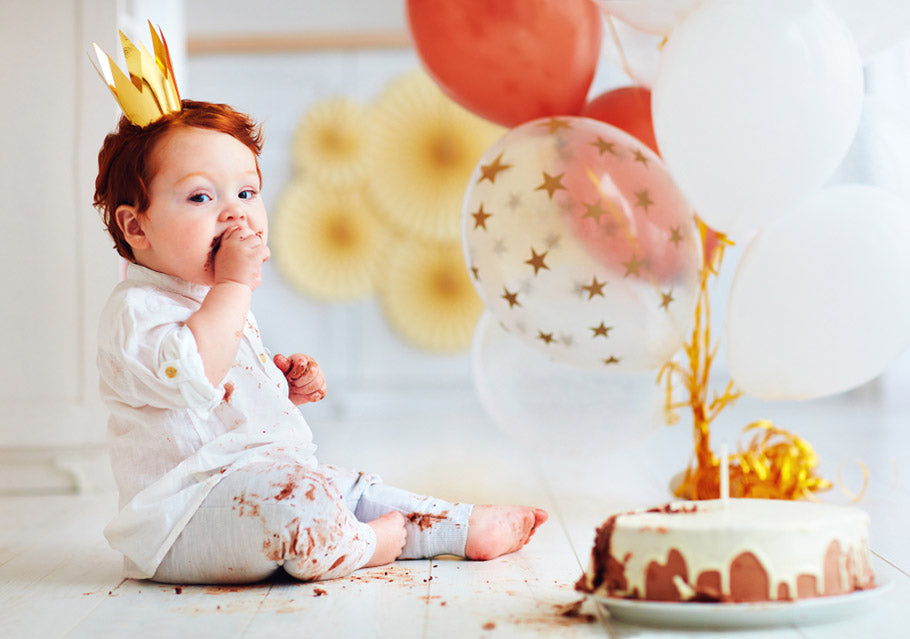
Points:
x=308, y=521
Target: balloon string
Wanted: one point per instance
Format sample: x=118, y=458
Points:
x=622, y=53
x=776, y=464
x=854, y=497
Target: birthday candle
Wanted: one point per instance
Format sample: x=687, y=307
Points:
x=724, y=473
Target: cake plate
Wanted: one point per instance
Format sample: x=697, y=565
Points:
x=740, y=615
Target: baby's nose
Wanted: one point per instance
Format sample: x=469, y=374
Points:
x=232, y=212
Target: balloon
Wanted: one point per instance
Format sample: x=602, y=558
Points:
x=651, y=16
x=509, y=61
x=635, y=52
x=755, y=105
x=579, y=242
x=557, y=409
x=628, y=108
x=880, y=153
x=876, y=24
x=818, y=303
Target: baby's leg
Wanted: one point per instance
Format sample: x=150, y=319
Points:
x=265, y=516
x=434, y=526
x=437, y=527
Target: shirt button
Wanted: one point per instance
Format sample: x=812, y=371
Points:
x=171, y=372
x=262, y=357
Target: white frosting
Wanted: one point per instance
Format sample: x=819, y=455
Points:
x=789, y=538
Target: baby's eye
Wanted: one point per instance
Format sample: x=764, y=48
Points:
x=199, y=197
x=247, y=194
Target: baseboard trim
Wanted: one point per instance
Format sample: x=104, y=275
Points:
x=55, y=470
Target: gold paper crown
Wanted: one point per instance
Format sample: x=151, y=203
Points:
x=151, y=91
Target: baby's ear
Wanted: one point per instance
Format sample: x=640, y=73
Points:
x=131, y=227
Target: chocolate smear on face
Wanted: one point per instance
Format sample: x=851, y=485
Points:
x=210, y=261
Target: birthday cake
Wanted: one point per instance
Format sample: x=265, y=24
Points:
x=736, y=550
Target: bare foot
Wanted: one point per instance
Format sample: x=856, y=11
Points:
x=499, y=530
x=390, y=538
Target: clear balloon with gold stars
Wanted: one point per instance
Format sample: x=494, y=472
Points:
x=579, y=242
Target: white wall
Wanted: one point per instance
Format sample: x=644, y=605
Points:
x=57, y=265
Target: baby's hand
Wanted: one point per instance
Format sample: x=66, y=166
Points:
x=306, y=382
x=239, y=256
x=391, y=537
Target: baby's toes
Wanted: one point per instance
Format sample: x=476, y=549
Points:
x=527, y=526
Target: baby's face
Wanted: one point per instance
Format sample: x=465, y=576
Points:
x=205, y=183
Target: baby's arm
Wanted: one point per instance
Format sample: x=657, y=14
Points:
x=306, y=381
x=218, y=324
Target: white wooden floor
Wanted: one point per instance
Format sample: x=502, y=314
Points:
x=58, y=578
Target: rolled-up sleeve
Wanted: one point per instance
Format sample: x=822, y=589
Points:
x=151, y=359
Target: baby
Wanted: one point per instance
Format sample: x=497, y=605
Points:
x=215, y=464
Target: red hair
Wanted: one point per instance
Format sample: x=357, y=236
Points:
x=124, y=164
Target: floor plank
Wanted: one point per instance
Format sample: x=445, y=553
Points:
x=64, y=573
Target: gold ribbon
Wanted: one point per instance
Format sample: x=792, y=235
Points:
x=775, y=464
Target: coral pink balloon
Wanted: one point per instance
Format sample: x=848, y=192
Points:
x=628, y=108
x=509, y=61
x=626, y=210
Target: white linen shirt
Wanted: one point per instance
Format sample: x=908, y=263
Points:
x=173, y=434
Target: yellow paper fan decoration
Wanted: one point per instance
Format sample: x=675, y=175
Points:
x=328, y=243
x=332, y=141
x=426, y=149
x=428, y=298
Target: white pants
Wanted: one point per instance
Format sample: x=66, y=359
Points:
x=310, y=522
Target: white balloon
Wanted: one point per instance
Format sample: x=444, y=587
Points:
x=651, y=16
x=755, y=105
x=880, y=153
x=876, y=24
x=633, y=51
x=819, y=301
x=557, y=409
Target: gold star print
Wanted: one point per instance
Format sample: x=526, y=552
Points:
x=675, y=235
x=639, y=157
x=594, y=211
x=480, y=218
x=555, y=124
x=594, y=288
x=511, y=298
x=604, y=146
x=475, y=272
x=601, y=331
x=489, y=171
x=611, y=360
x=633, y=266
x=551, y=184
x=546, y=338
x=643, y=200
x=537, y=260
x=666, y=299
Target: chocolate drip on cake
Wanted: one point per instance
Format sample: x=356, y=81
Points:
x=607, y=569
